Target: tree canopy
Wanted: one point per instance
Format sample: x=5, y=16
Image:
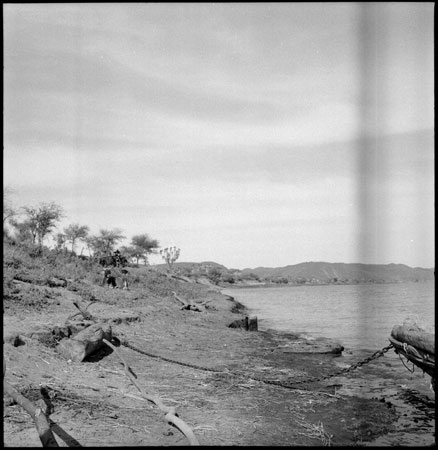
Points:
x=41, y=220
x=74, y=232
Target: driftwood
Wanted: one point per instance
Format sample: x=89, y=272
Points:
x=83, y=310
x=187, y=305
x=170, y=411
x=84, y=343
x=42, y=425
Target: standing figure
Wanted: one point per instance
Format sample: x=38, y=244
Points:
x=117, y=258
x=125, y=279
x=106, y=273
x=109, y=279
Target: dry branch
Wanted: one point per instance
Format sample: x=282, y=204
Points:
x=170, y=411
x=83, y=311
x=38, y=416
x=187, y=305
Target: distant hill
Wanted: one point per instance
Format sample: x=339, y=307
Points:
x=314, y=272
x=324, y=272
x=192, y=266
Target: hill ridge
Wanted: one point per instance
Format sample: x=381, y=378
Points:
x=325, y=272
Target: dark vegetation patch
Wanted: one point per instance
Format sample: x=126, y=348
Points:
x=29, y=298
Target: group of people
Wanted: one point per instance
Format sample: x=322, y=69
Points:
x=110, y=280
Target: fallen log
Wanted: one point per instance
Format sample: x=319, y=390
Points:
x=84, y=343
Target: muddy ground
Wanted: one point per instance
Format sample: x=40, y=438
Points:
x=93, y=403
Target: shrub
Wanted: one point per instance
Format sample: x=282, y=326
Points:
x=228, y=278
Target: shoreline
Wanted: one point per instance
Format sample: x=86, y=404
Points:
x=291, y=341
x=226, y=406
x=381, y=388
x=310, y=284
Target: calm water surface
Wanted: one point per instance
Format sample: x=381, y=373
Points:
x=361, y=318
x=358, y=316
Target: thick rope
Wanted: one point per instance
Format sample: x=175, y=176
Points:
x=293, y=385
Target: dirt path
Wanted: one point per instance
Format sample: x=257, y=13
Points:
x=93, y=403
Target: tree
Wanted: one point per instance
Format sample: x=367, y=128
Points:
x=170, y=255
x=8, y=210
x=94, y=245
x=107, y=240
x=129, y=252
x=214, y=275
x=42, y=220
x=141, y=246
x=23, y=233
x=60, y=240
x=228, y=277
x=134, y=253
x=74, y=232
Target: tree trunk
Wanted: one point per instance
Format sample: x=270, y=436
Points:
x=84, y=343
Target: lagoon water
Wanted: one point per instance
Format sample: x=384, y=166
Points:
x=361, y=318
x=358, y=316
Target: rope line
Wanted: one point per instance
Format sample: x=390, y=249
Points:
x=292, y=385
x=152, y=355
x=413, y=366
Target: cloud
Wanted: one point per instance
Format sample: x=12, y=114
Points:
x=257, y=126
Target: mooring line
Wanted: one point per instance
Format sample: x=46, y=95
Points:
x=292, y=385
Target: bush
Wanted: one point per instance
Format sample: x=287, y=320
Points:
x=228, y=278
x=34, y=298
x=214, y=275
x=251, y=276
x=282, y=280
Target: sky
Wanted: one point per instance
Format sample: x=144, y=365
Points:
x=249, y=134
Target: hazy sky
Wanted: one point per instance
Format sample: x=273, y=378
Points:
x=249, y=134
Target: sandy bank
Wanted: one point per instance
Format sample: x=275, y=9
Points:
x=228, y=399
